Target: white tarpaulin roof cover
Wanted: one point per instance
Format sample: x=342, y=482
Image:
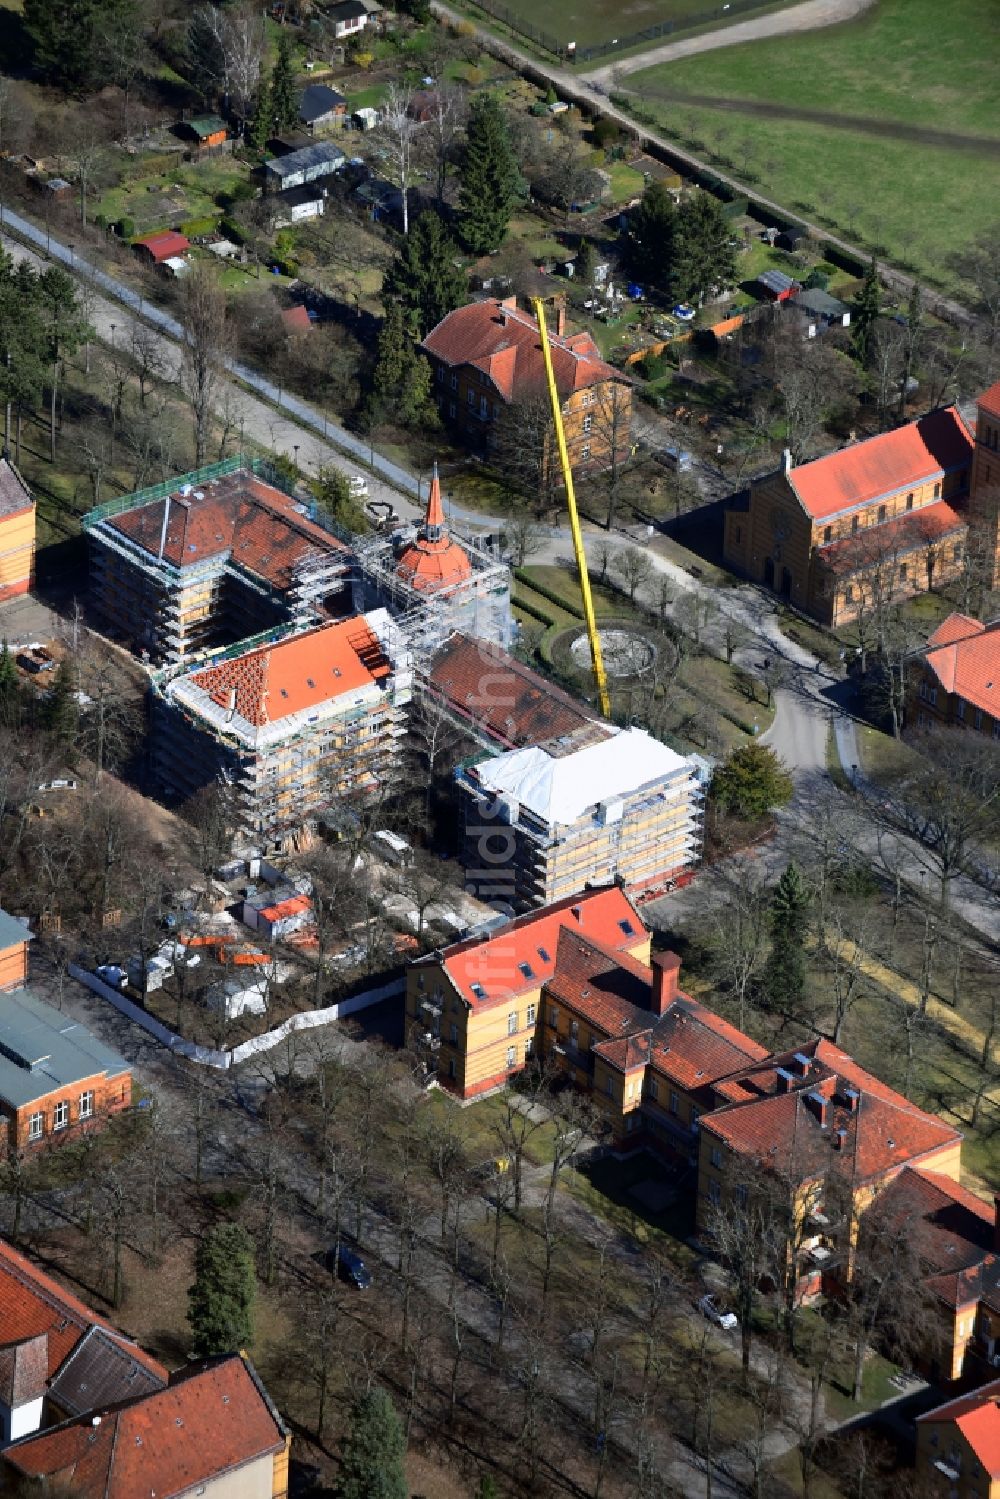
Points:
x=559, y=789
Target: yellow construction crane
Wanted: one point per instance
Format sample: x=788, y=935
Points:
x=597, y=660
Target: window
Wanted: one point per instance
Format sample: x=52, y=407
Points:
x=544, y=955
x=453, y=1034
x=60, y=1115
x=87, y=1104
x=574, y=1031
x=512, y=1023
x=626, y=926
x=902, y=572
x=609, y=1087
x=585, y=451
x=484, y=407
x=854, y=524
x=470, y=396
x=996, y=728
x=36, y=1124
x=454, y=382
x=937, y=490
x=716, y=1157
x=674, y=1103
x=960, y=708
x=933, y=697
x=527, y=970
x=882, y=513
x=714, y=1193
x=738, y=537
x=956, y=553
x=588, y=423
x=694, y=1119
x=909, y=502
x=654, y=1088
x=529, y=1018
x=484, y=378
x=741, y=1195
x=440, y=374
x=451, y=1066
x=849, y=594
x=978, y=721
x=512, y=1056
x=451, y=408
x=923, y=691
x=827, y=533
x=478, y=991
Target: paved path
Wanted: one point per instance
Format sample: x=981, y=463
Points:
x=809, y=16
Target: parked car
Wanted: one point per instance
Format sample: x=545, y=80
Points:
x=710, y=1308
x=350, y=1267
x=684, y=313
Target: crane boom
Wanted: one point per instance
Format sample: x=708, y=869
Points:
x=597, y=660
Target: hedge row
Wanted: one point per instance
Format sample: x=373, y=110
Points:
x=549, y=593
x=533, y=609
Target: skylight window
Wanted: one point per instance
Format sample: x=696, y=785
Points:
x=284, y=692
x=627, y=927
x=544, y=955
x=478, y=991
x=310, y=682
x=527, y=970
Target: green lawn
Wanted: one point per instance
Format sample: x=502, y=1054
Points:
x=591, y=22
x=843, y=119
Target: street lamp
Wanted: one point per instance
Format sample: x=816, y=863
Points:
x=295, y=450
x=113, y=327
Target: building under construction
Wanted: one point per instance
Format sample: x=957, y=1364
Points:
x=210, y=558
x=593, y=806
x=434, y=584
x=292, y=724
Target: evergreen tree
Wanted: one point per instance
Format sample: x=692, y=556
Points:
x=372, y=1464
x=284, y=93
x=221, y=1300
x=262, y=120
x=784, y=976
x=70, y=37
x=752, y=782
x=867, y=312
x=586, y=260
x=402, y=384
x=60, y=714
x=10, y=690
x=651, y=229
x=704, y=258
x=424, y=278
x=490, y=177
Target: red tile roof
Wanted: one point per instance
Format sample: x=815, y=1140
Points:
x=503, y=343
x=493, y=963
x=606, y=987
x=433, y=559
x=32, y=1303
x=910, y=532
x=695, y=1047
x=211, y=1420
x=937, y=444
x=977, y=1416
x=239, y=517
x=505, y=698
x=964, y=655
x=882, y=1133
x=989, y=401
x=165, y=245
x=296, y=319
x=300, y=672
x=949, y=1228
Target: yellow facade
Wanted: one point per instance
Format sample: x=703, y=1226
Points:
x=945, y=1457
x=17, y=552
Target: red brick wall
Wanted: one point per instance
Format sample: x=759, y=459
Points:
x=110, y=1097
x=14, y=966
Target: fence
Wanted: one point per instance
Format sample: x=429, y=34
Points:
x=206, y=1055
x=572, y=53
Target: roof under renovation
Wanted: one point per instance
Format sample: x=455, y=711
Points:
x=561, y=788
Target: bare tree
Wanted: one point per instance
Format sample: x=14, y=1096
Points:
x=522, y=537
x=228, y=43
x=399, y=132
x=207, y=339
x=635, y=569
x=447, y=111
x=611, y=428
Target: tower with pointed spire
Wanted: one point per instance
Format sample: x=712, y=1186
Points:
x=435, y=583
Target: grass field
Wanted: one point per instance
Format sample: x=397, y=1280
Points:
x=884, y=127
x=592, y=22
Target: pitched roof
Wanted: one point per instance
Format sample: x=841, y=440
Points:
x=42, y=1050
x=12, y=932
x=503, y=342
x=937, y=444
x=206, y=125
x=165, y=245
x=211, y=1420
x=906, y=533
x=560, y=787
x=315, y=159
x=236, y=518
x=989, y=401
x=964, y=655
x=519, y=956
x=882, y=1132
x=33, y=1305
x=296, y=319
x=433, y=559
x=504, y=697
x=695, y=1047
x=949, y=1228
x=608, y=986
x=977, y=1416
x=317, y=100
x=300, y=672
x=15, y=496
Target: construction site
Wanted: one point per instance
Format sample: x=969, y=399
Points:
x=210, y=558
x=291, y=724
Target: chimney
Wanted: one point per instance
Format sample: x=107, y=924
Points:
x=818, y=1106
x=786, y=460
x=783, y=1080
x=801, y=1064
x=666, y=975
x=577, y=911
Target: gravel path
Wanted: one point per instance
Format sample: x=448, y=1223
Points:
x=808, y=16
